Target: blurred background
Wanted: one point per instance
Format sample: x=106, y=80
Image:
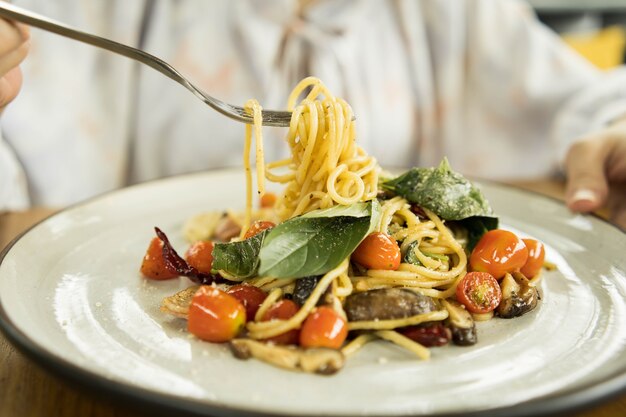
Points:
x=595, y=28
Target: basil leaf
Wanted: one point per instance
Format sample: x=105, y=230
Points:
x=476, y=227
x=317, y=242
x=449, y=195
x=441, y=190
x=354, y=210
x=240, y=259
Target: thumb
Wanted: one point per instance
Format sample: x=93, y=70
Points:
x=587, y=186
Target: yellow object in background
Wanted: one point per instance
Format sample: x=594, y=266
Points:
x=604, y=48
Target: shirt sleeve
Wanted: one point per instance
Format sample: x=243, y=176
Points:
x=523, y=66
x=13, y=184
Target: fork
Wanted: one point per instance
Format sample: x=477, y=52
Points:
x=11, y=12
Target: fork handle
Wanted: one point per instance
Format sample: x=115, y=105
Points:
x=12, y=12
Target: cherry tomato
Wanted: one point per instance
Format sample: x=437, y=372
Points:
x=536, y=255
x=214, y=315
x=324, y=327
x=498, y=252
x=200, y=256
x=479, y=292
x=257, y=227
x=283, y=310
x=378, y=251
x=267, y=200
x=153, y=266
x=250, y=296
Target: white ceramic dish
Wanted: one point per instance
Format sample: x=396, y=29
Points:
x=71, y=297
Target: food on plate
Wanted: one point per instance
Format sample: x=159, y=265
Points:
x=346, y=254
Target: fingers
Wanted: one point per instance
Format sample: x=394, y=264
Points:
x=12, y=36
x=14, y=45
x=587, y=186
x=13, y=58
x=10, y=85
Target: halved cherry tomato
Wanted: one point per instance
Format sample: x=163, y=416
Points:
x=267, y=200
x=378, y=251
x=153, y=266
x=257, y=227
x=250, y=296
x=324, y=327
x=214, y=315
x=498, y=252
x=479, y=292
x=200, y=256
x=536, y=255
x=283, y=310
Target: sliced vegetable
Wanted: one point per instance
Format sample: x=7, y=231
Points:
x=200, y=256
x=479, y=292
x=153, y=265
x=518, y=296
x=303, y=289
x=387, y=304
x=214, y=315
x=257, y=227
x=429, y=335
x=461, y=323
x=318, y=360
x=283, y=310
x=498, y=252
x=536, y=256
x=324, y=327
x=250, y=296
x=378, y=251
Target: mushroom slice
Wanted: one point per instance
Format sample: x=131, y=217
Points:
x=519, y=296
x=315, y=360
x=387, y=304
x=178, y=304
x=461, y=323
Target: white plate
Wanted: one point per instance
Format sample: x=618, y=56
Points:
x=72, y=298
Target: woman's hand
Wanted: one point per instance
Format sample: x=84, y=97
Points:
x=596, y=173
x=14, y=45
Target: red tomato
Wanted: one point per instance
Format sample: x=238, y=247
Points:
x=153, y=266
x=214, y=315
x=536, y=255
x=268, y=200
x=283, y=310
x=324, y=327
x=378, y=251
x=257, y=227
x=429, y=335
x=200, y=256
x=250, y=296
x=479, y=292
x=498, y=252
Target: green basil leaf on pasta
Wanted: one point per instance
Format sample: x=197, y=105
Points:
x=240, y=259
x=317, y=242
x=448, y=194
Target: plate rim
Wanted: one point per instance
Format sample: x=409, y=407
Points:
x=575, y=399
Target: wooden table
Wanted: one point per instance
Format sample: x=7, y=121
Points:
x=26, y=390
